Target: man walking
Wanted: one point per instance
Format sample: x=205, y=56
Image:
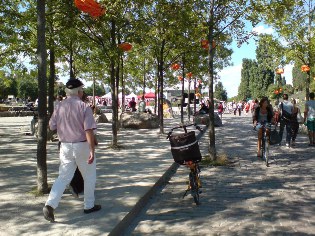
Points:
x=73, y=119
x=285, y=108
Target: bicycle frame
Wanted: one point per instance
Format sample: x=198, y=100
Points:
x=194, y=181
x=264, y=143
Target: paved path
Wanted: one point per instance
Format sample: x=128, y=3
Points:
x=244, y=199
x=123, y=177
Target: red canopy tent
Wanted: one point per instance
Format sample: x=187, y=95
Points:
x=149, y=95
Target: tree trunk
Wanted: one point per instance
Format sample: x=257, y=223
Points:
x=42, y=186
x=183, y=90
x=123, y=93
x=51, y=82
x=160, y=79
x=72, y=75
x=212, y=149
x=113, y=88
x=307, y=86
x=144, y=77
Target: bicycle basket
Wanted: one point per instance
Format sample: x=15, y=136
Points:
x=185, y=147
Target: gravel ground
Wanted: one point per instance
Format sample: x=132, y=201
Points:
x=245, y=198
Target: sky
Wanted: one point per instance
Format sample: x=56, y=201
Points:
x=231, y=76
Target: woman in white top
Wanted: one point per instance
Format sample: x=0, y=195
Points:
x=309, y=118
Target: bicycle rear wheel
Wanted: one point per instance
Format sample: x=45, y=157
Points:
x=194, y=188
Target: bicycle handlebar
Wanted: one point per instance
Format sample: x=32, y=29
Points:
x=264, y=124
x=184, y=127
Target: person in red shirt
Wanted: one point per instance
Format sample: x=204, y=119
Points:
x=132, y=104
x=220, y=109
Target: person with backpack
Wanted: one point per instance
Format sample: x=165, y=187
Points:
x=309, y=118
x=285, y=108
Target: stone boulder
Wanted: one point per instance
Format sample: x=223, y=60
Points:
x=101, y=118
x=135, y=120
x=204, y=119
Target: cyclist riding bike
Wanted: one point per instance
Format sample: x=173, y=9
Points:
x=263, y=114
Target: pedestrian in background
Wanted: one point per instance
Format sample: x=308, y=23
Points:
x=247, y=106
x=309, y=118
x=239, y=107
x=142, y=105
x=294, y=122
x=285, y=108
x=73, y=119
x=234, y=106
x=220, y=110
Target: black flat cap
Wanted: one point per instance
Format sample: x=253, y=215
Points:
x=74, y=83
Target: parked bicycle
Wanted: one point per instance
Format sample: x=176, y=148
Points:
x=185, y=151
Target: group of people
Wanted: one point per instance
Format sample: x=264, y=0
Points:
x=289, y=118
x=73, y=119
x=132, y=105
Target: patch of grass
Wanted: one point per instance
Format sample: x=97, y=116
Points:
x=222, y=160
x=34, y=191
x=115, y=147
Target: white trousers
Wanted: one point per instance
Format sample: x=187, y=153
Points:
x=71, y=156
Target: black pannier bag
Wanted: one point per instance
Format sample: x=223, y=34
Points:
x=274, y=137
x=185, y=147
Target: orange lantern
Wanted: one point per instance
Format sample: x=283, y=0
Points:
x=189, y=75
x=205, y=44
x=91, y=7
x=175, y=66
x=276, y=92
x=180, y=78
x=280, y=90
x=279, y=71
x=305, y=68
x=125, y=47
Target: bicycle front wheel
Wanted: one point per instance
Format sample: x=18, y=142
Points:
x=266, y=152
x=194, y=188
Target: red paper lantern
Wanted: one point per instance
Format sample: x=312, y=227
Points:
x=279, y=71
x=180, y=78
x=205, y=44
x=175, y=66
x=305, y=68
x=91, y=7
x=189, y=75
x=125, y=47
x=276, y=92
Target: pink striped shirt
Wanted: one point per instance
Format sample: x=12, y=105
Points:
x=72, y=117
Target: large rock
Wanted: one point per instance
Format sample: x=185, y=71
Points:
x=101, y=118
x=204, y=119
x=135, y=120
